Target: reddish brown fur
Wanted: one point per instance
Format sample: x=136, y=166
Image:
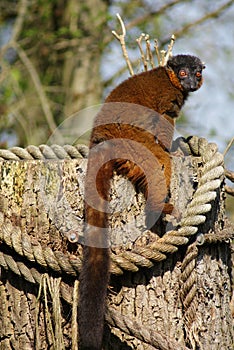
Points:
x=152, y=90
x=173, y=78
x=122, y=124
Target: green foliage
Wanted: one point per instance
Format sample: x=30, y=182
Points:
x=66, y=32
x=31, y=32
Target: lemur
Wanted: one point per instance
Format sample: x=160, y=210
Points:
x=132, y=135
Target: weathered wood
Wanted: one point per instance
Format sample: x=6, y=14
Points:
x=45, y=200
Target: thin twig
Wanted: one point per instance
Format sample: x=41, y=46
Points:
x=229, y=190
x=139, y=43
x=148, y=15
x=229, y=174
x=149, y=52
x=121, y=38
x=170, y=48
x=186, y=28
x=230, y=143
x=177, y=34
x=157, y=50
x=163, y=57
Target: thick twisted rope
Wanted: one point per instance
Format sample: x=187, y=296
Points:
x=45, y=257
x=148, y=336
x=189, y=288
x=188, y=292
x=44, y=152
x=140, y=256
x=210, y=180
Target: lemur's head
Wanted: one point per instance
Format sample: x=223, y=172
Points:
x=188, y=70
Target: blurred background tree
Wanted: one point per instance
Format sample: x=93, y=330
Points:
x=50, y=63
x=59, y=57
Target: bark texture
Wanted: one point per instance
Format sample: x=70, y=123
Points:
x=41, y=212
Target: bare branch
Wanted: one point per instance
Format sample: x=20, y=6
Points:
x=230, y=143
x=157, y=50
x=229, y=190
x=36, y=80
x=146, y=17
x=189, y=26
x=177, y=34
x=170, y=48
x=139, y=41
x=19, y=19
x=17, y=28
x=149, y=56
x=121, y=38
x=163, y=57
x=230, y=175
x=149, y=52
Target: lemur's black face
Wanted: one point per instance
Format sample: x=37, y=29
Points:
x=188, y=70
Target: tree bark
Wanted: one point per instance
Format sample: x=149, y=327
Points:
x=41, y=205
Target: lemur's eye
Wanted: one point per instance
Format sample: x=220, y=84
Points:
x=198, y=74
x=182, y=73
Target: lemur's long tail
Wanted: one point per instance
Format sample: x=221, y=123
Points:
x=93, y=285
x=94, y=276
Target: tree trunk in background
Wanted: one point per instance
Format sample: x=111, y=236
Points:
x=81, y=76
x=41, y=212
x=56, y=65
